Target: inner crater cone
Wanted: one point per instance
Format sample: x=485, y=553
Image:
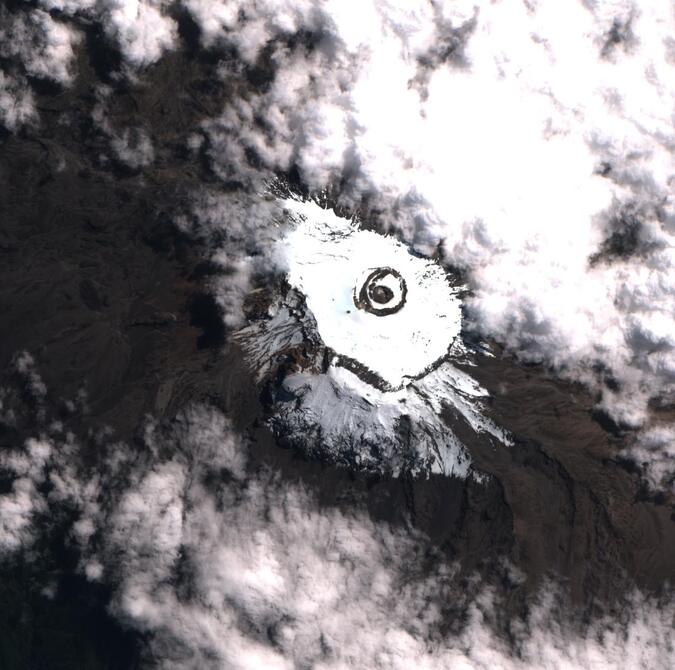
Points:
x=382, y=293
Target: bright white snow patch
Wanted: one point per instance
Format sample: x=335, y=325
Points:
x=364, y=426
x=330, y=260
x=365, y=378
x=520, y=136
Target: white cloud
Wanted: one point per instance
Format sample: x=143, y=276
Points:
x=43, y=45
x=39, y=45
x=33, y=44
x=222, y=565
x=24, y=365
x=239, y=231
x=524, y=158
x=19, y=506
x=133, y=147
x=252, y=571
x=17, y=107
x=654, y=451
x=141, y=29
x=251, y=25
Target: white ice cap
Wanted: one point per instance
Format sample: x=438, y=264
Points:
x=374, y=301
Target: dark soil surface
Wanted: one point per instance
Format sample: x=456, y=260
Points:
x=113, y=302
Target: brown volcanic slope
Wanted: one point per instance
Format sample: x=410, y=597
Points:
x=109, y=298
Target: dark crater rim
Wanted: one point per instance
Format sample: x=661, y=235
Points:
x=372, y=378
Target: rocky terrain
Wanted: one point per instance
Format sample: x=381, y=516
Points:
x=111, y=318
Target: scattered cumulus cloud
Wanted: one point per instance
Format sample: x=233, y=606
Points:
x=533, y=142
x=32, y=44
x=140, y=29
x=20, y=506
x=239, y=231
x=17, y=106
x=133, y=147
x=24, y=365
x=129, y=146
x=654, y=451
x=219, y=565
x=539, y=156
x=42, y=45
x=40, y=42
